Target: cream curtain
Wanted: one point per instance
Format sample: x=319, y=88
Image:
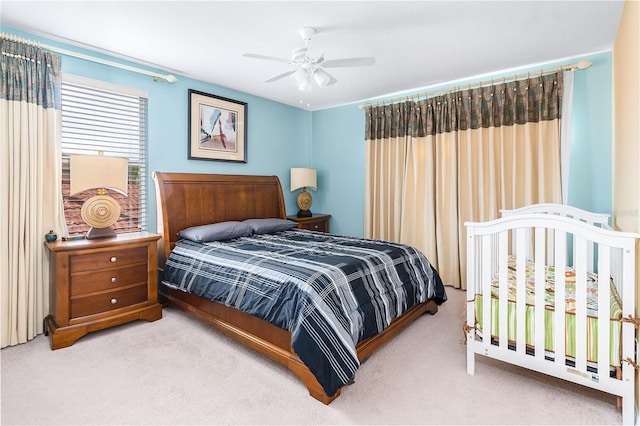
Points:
x=436, y=163
x=30, y=199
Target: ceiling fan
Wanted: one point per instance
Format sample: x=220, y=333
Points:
x=307, y=69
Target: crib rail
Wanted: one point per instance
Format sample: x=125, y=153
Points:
x=596, y=219
x=600, y=220
x=558, y=241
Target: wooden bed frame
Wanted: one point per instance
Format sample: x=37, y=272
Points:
x=185, y=200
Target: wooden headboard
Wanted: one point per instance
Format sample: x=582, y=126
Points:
x=191, y=199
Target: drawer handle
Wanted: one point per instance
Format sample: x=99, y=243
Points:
x=114, y=301
x=315, y=226
x=113, y=259
x=114, y=279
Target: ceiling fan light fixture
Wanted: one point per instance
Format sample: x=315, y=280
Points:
x=308, y=70
x=300, y=75
x=305, y=85
x=321, y=77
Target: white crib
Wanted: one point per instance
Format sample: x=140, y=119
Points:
x=521, y=267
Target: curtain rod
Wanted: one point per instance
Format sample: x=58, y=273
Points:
x=580, y=65
x=156, y=76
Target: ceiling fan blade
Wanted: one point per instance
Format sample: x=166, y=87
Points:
x=279, y=76
x=349, y=62
x=268, y=58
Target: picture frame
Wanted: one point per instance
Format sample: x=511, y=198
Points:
x=217, y=128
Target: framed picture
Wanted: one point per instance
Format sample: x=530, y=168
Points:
x=217, y=128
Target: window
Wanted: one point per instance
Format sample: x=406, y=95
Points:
x=101, y=117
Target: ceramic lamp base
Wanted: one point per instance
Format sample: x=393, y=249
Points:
x=304, y=201
x=97, y=233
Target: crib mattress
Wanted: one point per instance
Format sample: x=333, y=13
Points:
x=570, y=320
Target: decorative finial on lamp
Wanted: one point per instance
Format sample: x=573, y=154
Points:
x=303, y=178
x=99, y=172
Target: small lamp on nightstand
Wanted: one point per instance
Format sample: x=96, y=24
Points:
x=99, y=172
x=303, y=178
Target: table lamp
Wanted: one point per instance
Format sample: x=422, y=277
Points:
x=303, y=178
x=99, y=172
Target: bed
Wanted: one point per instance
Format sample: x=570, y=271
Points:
x=193, y=201
x=528, y=264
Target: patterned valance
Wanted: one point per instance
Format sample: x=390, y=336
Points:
x=29, y=74
x=532, y=99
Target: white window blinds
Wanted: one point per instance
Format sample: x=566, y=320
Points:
x=100, y=117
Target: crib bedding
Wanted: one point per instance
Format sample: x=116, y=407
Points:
x=329, y=291
x=570, y=343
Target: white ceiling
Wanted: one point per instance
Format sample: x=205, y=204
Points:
x=417, y=44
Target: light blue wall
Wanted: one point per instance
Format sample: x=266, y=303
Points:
x=280, y=137
x=338, y=154
x=591, y=173
x=338, y=148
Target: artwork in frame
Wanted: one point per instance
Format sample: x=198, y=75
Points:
x=217, y=128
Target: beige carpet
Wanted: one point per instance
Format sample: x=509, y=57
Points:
x=177, y=371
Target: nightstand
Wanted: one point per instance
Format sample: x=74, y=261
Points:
x=96, y=284
x=317, y=222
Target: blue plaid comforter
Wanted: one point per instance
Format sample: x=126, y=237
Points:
x=329, y=291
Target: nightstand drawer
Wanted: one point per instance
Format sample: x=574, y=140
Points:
x=84, y=306
x=318, y=222
x=319, y=225
x=106, y=279
x=108, y=259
